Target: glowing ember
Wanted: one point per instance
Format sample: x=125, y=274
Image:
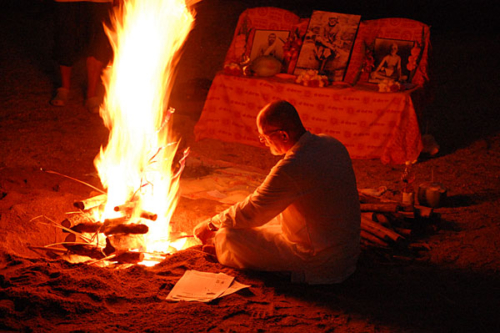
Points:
x=136, y=166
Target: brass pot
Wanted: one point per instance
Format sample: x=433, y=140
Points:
x=432, y=194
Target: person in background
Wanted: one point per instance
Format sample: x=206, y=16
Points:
x=304, y=218
x=79, y=32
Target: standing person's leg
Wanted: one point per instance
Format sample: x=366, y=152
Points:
x=65, y=47
x=94, y=70
x=99, y=52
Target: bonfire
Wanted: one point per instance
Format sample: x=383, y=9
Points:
x=138, y=167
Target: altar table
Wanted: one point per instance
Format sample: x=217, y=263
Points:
x=370, y=124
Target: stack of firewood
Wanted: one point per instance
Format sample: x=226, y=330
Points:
x=85, y=235
x=388, y=224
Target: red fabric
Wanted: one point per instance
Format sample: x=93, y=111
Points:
x=393, y=28
x=370, y=124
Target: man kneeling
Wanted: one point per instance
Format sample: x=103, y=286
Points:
x=304, y=218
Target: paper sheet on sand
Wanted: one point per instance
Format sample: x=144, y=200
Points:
x=203, y=286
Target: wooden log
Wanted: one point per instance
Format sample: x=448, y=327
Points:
x=91, y=202
x=66, y=223
x=115, y=221
x=420, y=247
x=149, y=216
x=128, y=257
x=383, y=207
x=131, y=228
x=372, y=239
x=86, y=250
x=124, y=208
x=129, y=207
x=381, y=219
x=366, y=198
x=380, y=231
x=109, y=248
x=48, y=249
x=404, y=232
x=87, y=227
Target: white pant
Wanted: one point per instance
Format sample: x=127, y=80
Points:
x=266, y=249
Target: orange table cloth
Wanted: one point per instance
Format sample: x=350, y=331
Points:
x=369, y=123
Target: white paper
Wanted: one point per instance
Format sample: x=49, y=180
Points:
x=203, y=286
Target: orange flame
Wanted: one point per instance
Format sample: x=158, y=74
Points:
x=136, y=165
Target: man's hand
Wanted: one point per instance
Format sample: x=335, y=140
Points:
x=204, y=231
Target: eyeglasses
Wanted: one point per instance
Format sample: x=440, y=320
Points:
x=263, y=137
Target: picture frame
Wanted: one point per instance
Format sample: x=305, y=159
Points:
x=328, y=44
x=269, y=42
x=390, y=60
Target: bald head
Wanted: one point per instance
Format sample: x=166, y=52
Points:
x=281, y=115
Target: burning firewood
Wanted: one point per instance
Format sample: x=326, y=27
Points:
x=84, y=249
x=148, y=216
x=131, y=228
x=116, y=221
x=87, y=227
x=91, y=202
x=128, y=209
x=129, y=257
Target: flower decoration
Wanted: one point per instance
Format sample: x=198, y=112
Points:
x=412, y=59
x=368, y=61
x=233, y=69
x=292, y=46
x=390, y=86
x=240, y=43
x=311, y=78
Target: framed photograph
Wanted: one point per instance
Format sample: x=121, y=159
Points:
x=328, y=44
x=269, y=43
x=391, y=59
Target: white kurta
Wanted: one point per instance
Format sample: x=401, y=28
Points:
x=312, y=193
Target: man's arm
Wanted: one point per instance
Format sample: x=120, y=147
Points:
x=275, y=194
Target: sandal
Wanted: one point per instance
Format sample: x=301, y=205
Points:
x=61, y=97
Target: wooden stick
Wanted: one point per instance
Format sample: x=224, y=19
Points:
x=115, y=221
x=47, y=249
x=129, y=257
x=87, y=227
x=380, y=231
x=85, y=250
x=365, y=198
x=91, y=202
x=149, y=216
x=404, y=232
x=373, y=239
x=128, y=209
x=131, y=228
x=382, y=219
x=382, y=207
